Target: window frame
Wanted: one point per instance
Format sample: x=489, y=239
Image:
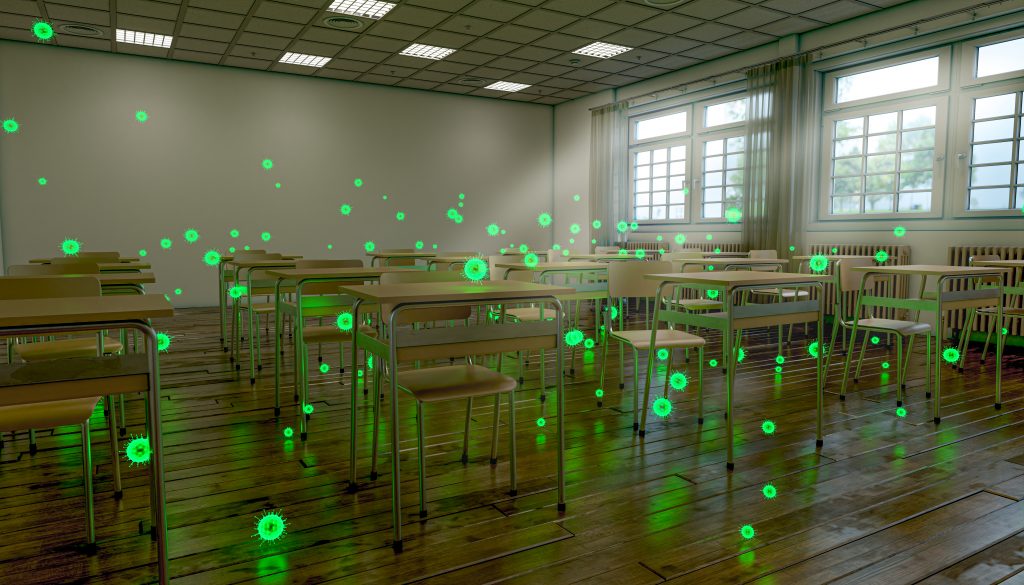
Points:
x=703, y=106
x=968, y=57
x=832, y=79
x=687, y=141
x=634, y=120
x=721, y=133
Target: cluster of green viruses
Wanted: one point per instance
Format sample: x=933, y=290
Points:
x=475, y=269
x=901, y=412
x=741, y=355
x=211, y=257
x=813, y=349
x=573, y=337
x=308, y=409
x=137, y=451
x=640, y=254
x=163, y=341
x=143, y=253
x=233, y=233
x=454, y=215
x=662, y=407
x=713, y=363
x=544, y=220
x=588, y=343
x=70, y=247
x=42, y=181
x=779, y=359
x=678, y=381
x=270, y=526
x=358, y=183
x=599, y=393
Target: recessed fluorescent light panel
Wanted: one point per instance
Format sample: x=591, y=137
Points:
x=507, y=86
x=366, y=8
x=427, y=51
x=144, y=38
x=307, y=60
x=602, y=50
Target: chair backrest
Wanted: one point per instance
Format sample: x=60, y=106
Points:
x=431, y=314
x=984, y=257
x=764, y=254
x=846, y=280
x=522, y=275
x=328, y=264
x=493, y=272
x=43, y=269
x=626, y=279
x=606, y=249
x=26, y=287
x=101, y=256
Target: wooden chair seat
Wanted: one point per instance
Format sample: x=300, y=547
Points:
x=44, y=415
x=529, y=313
x=669, y=338
x=695, y=304
x=454, y=382
x=73, y=378
x=895, y=325
x=331, y=334
x=787, y=293
x=79, y=347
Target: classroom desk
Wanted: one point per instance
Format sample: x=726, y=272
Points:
x=222, y=290
x=122, y=259
x=460, y=259
x=383, y=257
x=1016, y=289
x=441, y=343
x=738, y=317
x=606, y=257
x=30, y=317
x=247, y=267
x=733, y=263
x=106, y=279
x=725, y=254
x=938, y=303
x=108, y=266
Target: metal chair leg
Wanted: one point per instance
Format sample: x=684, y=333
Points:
x=90, y=514
x=465, y=434
x=512, y=443
x=906, y=365
x=604, y=366
x=860, y=360
x=636, y=389
x=668, y=373
x=988, y=337
x=965, y=338
x=494, y=429
x=377, y=404
x=899, y=370
x=114, y=451
x=700, y=385
x=928, y=364
x=422, y=464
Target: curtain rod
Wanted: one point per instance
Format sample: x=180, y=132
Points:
x=862, y=38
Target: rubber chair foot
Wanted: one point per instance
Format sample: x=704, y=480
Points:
x=88, y=549
x=561, y=506
x=600, y=404
x=225, y=350
x=730, y=466
x=572, y=371
x=819, y=442
x=122, y=431
x=303, y=436
x=320, y=359
x=118, y=494
x=543, y=397
x=494, y=460
x=842, y=398
x=622, y=386
x=33, y=449
x=252, y=381
x=423, y=513
x=259, y=368
x=642, y=434
x=725, y=371
x=396, y=546
x=521, y=381
x=277, y=411
x=231, y=358
x=937, y=419
x=307, y=417
x=373, y=476
x=999, y=405
x=855, y=380
x=464, y=459
x=927, y=394
x=351, y=488
x=700, y=420
x=513, y=493
x=899, y=403
x=636, y=427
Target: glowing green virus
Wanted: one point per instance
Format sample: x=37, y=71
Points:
x=369, y=246
x=768, y=427
x=233, y=233
x=885, y=365
x=572, y=240
x=1005, y=330
x=419, y=244
x=875, y=340
x=143, y=253
x=141, y=116
x=615, y=313
x=211, y=257
x=166, y=243
x=573, y=337
x=369, y=362
x=780, y=360
x=462, y=196
x=345, y=209
x=599, y=393
x=42, y=181
x=246, y=247
x=819, y=263
x=663, y=354
x=565, y=252
x=530, y=260
x=718, y=250
x=556, y=247
x=640, y=253
x=711, y=267
x=43, y=31
x=177, y=291
x=622, y=227
x=678, y=381
x=740, y=356
x=475, y=269
x=493, y=230
x=623, y=252
x=713, y=294
x=458, y=219
x=901, y=412
x=733, y=215
x=544, y=220
x=634, y=226
x=400, y=216
x=747, y=531
x=288, y=432
x=660, y=237
x=541, y=422
x=137, y=451
x=70, y=247
x=191, y=236
x=588, y=343
x=596, y=224
x=769, y=492
x=881, y=256
x=899, y=231
x=163, y=341
x=237, y=291
x=324, y=368
x=344, y=321
x=576, y=197
x=951, y=355
x=709, y=237
x=792, y=248
x=452, y=213
x=835, y=250
x=574, y=228
x=330, y=246
x=358, y=182
x=713, y=363
x=524, y=248
x=384, y=197
x=265, y=236
x=461, y=204
x=277, y=185
x=10, y=125
x=813, y=349
x=308, y=409
x=662, y=407
x=270, y=526
x=433, y=246
x=778, y=369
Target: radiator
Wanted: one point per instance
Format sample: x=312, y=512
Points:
x=961, y=256
x=711, y=246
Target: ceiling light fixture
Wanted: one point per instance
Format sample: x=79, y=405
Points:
x=507, y=86
x=305, y=60
x=144, y=38
x=366, y=8
x=602, y=50
x=426, y=51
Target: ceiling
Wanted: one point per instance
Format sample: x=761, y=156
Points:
x=522, y=41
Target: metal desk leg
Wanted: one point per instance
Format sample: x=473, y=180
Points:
x=396, y=477
x=156, y=456
x=354, y=376
x=560, y=390
x=220, y=301
x=277, y=347
x=729, y=377
x=1000, y=342
x=937, y=391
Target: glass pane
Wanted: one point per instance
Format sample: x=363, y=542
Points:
x=915, y=202
x=1020, y=198
x=713, y=210
x=643, y=185
x=735, y=144
x=881, y=163
x=845, y=205
x=1001, y=129
x=734, y=177
x=659, y=170
x=918, y=160
x=676, y=183
x=643, y=213
x=882, y=123
x=725, y=113
x=643, y=172
x=916, y=180
x=846, y=186
x=734, y=161
x=997, y=175
x=676, y=197
x=660, y=198
x=713, y=147
x=844, y=167
x=659, y=184
x=659, y=213
x=660, y=155
x=670, y=124
x=678, y=152
x=713, y=163
x=990, y=198
x=675, y=212
x=880, y=183
x=991, y=153
x=894, y=79
x=995, y=106
x=919, y=117
x=879, y=203
x=733, y=193
x=712, y=179
x=849, y=128
x=918, y=139
x=1000, y=57
x=849, y=147
x=882, y=143
x=643, y=199
x=643, y=158
x=714, y=194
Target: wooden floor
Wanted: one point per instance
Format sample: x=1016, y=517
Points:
x=886, y=500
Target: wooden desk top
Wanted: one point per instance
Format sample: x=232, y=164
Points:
x=1001, y=263
x=428, y=292
x=454, y=259
x=516, y=252
x=733, y=278
x=401, y=254
x=70, y=310
x=631, y=255
x=122, y=266
x=734, y=261
x=229, y=258
x=106, y=279
x=282, y=263
x=831, y=257
x=84, y=259
x=931, y=270
x=298, y=273
x=726, y=254
x=560, y=266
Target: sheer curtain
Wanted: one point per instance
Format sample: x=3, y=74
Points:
x=777, y=141
x=609, y=139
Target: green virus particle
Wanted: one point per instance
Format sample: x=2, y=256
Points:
x=43, y=31
x=574, y=228
x=419, y=244
x=400, y=216
x=330, y=246
x=177, y=291
x=462, y=196
x=747, y=531
x=233, y=233
x=588, y=343
x=733, y=215
x=358, y=183
x=143, y=253
x=359, y=372
x=813, y=349
x=680, y=239
x=593, y=240
x=835, y=250
x=541, y=422
x=277, y=185
x=524, y=248
x=246, y=247
x=768, y=427
x=596, y=224
x=576, y=197
x=678, y=381
x=211, y=257
x=565, y=252
x=191, y=236
x=951, y=355
x=621, y=227
x=899, y=231
x=288, y=432
x=369, y=362
x=231, y=249
x=237, y=291
x=530, y=260
x=875, y=340
x=475, y=269
x=493, y=230
x=792, y=248
x=345, y=209
x=461, y=204
x=769, y=492
x=452, y=213
x=308, y=409
x=324, y=368
x=556, y=247
x=819, y=263
x=713, y=363
x=881, y=256
x=141, y=116
x=544, y=220
x=778, y=369
x=713, y=294
x=740, y=356
x=711, y=267
x=599, y=393
x=662, y=407
x=640, y=253
x=901, y=412
x=10, y=125
x=780, y=360
x=634, y=225
x=433, y=246
x=885, y=365
x=458, y=219
x=265, y=236
x=344, y=321
x=663, y=354
x=137, y=450
x=70, y=247
x=615, y=313
x=163, y=341
x=718, y=250
x=660, y=237
x=573, y=337
x=1005, y=330
x=42, y=181
x=369, y=246
x=270, y=526
x=709, y=237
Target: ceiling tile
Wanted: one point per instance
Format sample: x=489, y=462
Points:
x=672, y=45
x=591, y=29
x=396, y=71
x=213, y=18
x=585, y=74
x=669, y=23
x=417, y=16
x=379, y=79
x=490, y=73
x=453, y=88
x=561, y=42
x=236, y=6
x=327, y=35
x=527, y=78
x=638, y=56
x=838, y=11
x=148, y=8
x=94, y=4
x=337, y=74
x=708, y=51
x=273, y=27
x=511, y=64
x=619, y=80
x=548, y=100
x=100, y=44
x=746, y=40
x=795, y=6
x=266, y=41
x=561, y=82
x=73, y=14
x=674, y=62
x=142, y=50
x=545, y=19
x=516, y=34
x=152, y=25
x=469, y=57
x=440, y=38
x=447, y=66
x=570, y=94
x=192, y=55
x=610, y=66
x=26, y=7
x=447, y=5
x=206, y=32
x=492, y=46
x=416, y=84
x=549, y=69
x=198, y=45
x=632, y=37
x=364, y=55
x=435, y=76
x=751, y=17
x=350, y=65
x=397, y=30
x=414, y=63
x=710, y=31
x=573, y=60
x=286, y=12
x=254, y=52
x=247, y=63
x=577, y=7
x=534, y=53
x=644, y=71
x=293, y=69
x=788, y=26
x=469, y=26
x=311, y=48
x=495, y=10
x=709, y=9
x=379, y=44
x=591, y=87
x=625, y=14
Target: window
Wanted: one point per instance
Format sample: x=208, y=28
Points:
x=722, y=175
x=999, y=58
x=660, y=126
x=888, y=80
x=659, y=183
x=996, y=154
x=725, y=113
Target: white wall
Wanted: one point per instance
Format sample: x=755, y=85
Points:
x=115, y=184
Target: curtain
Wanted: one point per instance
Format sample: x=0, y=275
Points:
x=609, y=201
x=778, y=125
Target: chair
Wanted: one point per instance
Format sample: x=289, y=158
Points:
x=689, y=304
x=626, y=281
x=261, y=284
x=525, y=314
x=846, y=280
x=990, y=312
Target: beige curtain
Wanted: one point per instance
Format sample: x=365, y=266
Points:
x=777, y=157
x=609, y=141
